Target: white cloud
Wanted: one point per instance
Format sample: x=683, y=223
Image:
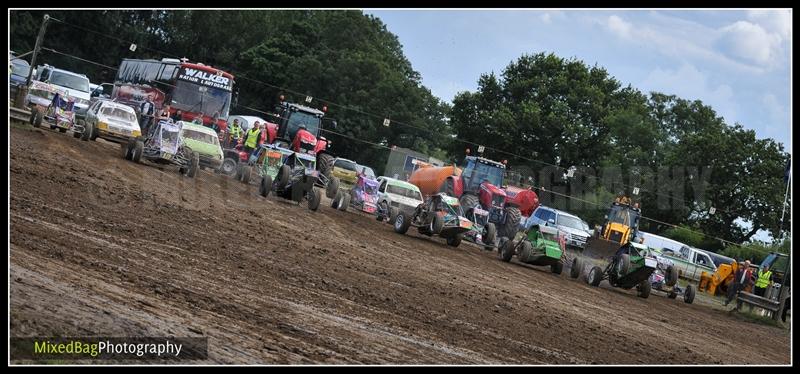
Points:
x=689, y=83
x=774, y=109
x=750, y=42
x=619, y=26
x=681, y=39
x=775, y=21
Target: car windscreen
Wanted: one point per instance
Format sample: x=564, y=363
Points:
x=573, y=222
x=200, y=136
x=118, y=113
x=347, y=165
x=403, y=191
x=72, y=81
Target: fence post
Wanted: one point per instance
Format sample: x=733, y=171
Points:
x=22, y=93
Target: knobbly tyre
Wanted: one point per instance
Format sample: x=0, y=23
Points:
x=439, y=215
x=163, y=145
x=539, y=246
x=295, y=179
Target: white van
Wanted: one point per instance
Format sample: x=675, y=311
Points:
x=48, y=80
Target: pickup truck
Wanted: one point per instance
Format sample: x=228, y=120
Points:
x=691, y=262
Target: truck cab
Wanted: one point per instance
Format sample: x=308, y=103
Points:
x=64, y=82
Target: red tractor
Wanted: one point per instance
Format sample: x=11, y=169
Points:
x=476, y=186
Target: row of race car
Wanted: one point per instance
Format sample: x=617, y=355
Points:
x=289, y=174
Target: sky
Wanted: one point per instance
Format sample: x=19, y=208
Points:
x=736, y=61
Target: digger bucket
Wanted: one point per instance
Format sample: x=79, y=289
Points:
x=600, y=248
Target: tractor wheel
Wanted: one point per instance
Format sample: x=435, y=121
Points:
x=282, y=179
x=265, y=186
x=194, y=165
x=136, y=151
x=672, y=294
x=489, y=235
x=671, y=276
x=688, y=294
x=88, y=129
x=314, y=197
x=623, y=265
x=468, y=201
x=454, y=241
x=576, y=269
x=557, y=267
x=511, y=226
x=437, y=224
x=345, y=202
x=595, y=276
x=332, y=187
x=325, y=164
x=401, y=223
x=228, y=166
x=643, y=290
x=506, y=250
x=246, y=171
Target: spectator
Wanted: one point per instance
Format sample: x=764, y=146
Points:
x=234, y=133
x=764, y=280
x=740, y=280
x=199, y=119
x=147, y=110
x=177, y=116
x=252, y=138
x=164, y=113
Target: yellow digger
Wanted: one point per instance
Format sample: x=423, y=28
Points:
x=620, y=227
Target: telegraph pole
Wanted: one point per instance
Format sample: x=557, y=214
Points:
x=22, y=93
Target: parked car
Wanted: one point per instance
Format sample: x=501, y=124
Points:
x=367, y=171
x=111, y=121
x=19, y=74
x=575, y=230
x=205, y=142
x=66, y=83
x=346, y=170
x=395, y=196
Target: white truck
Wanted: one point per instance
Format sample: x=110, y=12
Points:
x=47, y=81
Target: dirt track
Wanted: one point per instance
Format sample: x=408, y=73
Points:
x=103, y=246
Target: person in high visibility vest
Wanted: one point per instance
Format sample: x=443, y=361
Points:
x=253, y=138
x=235, y=133
x=763, y=281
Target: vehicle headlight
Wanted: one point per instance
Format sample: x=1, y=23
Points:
x=102, y=125
x=136, y=133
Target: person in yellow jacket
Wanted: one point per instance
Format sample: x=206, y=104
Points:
x=234, y=134
x=252, y=138
x=763, y=281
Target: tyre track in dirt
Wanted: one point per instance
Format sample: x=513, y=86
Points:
x=99, y=245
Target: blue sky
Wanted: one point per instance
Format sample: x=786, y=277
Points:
x=737, y=61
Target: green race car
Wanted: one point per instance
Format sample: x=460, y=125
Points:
x=540, y=246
